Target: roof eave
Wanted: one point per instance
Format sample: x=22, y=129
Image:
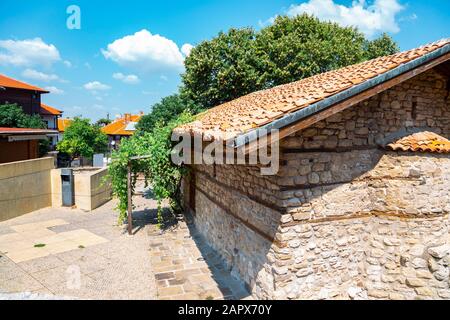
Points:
x=326, y=103
x=42, y=91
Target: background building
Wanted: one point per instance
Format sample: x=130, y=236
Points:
x=123, y=127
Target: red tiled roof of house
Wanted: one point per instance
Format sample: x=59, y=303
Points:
x=421, y=142
x=47, y=110
x=63, y=124
x=12, y=83
x=257, y=109
x=118, y=127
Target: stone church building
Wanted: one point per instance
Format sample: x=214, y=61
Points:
x=359, y=208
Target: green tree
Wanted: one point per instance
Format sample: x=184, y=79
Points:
x=168, y=109
x=82, y=139
x=12, y=116
x=222, y=69
x=299, y=47
x=103, y=122
x=292, y=48
x=382, y=46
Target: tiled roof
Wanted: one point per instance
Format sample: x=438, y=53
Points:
x=421, y=142
x=63, y=124
x=47, y=110
x=12, y=131
x=240, y=116
x=119, y=126
x=12, y=83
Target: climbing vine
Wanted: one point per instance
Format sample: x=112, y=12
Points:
x=158, y=169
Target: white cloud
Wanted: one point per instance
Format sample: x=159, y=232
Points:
x=67, y=63
x=96, y=86
x=186, y=49
x=409, y=18
x=130, y=79
x=39, y=76
x=54, y=90
x=370, y=19
x=164, y=78
x=87, y=65
x=145, y=52
x=27, y=53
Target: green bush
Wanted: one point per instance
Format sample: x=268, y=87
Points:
x=158, y=169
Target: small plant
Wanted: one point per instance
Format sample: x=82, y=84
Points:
x=40, y=245
x=209, y=298
x=81, y=246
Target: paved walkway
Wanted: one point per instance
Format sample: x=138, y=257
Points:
x=186, y=268
x=70, y=254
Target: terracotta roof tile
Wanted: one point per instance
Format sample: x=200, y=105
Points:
x=421, y=142
x=63, y=124
x=118, y=127
x=12, y=83
x=47, y=110
x=256, y=109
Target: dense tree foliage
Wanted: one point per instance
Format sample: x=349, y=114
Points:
x=12, y=116
x=292, y=48
x=223, y=68
x=163, y=112
x=82, y=139
x=382, y=46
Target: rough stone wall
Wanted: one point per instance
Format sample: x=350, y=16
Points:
x=237, y=222
x=372, y=231
x=365, y=258
x=342, y=218
x=320, y=185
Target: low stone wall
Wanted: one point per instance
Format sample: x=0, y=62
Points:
x=90, y=188
x=25, y=186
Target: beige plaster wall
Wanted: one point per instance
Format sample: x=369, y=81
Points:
x=91, y=191
x=25, y=186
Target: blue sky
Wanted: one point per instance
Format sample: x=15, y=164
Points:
x=116, y=63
